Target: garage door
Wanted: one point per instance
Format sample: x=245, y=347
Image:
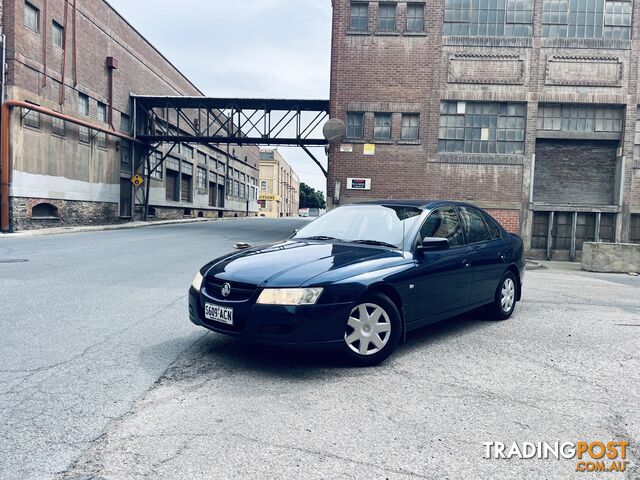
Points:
x=575, y=172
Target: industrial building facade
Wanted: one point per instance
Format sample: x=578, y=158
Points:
x=82, y=59
x=528, y=108
x=279, y=194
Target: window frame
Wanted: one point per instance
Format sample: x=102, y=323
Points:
x=418, y=239
x=378, y=128
x=57, y=34
x=82, y=99
x=32, y=9
x=31, y=119
x=419, y=18
x=58, y=127
x=357, y=28
x=384, y=23
x=416, y=127
x=353, y=126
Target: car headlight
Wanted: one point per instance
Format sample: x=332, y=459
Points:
x=197, y=281
x=290, y=296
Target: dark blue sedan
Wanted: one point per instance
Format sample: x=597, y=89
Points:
x=362, y=276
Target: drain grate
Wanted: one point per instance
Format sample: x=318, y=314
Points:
x=13, y=260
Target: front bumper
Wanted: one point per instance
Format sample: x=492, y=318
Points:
x=275, y=324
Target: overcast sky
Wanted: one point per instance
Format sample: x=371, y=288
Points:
x=245, y=48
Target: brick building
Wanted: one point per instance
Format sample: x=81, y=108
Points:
x=62, y=55
x=279, y=186
x=528, y=108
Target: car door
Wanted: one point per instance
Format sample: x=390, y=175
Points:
x=487, y=254
x=441, y=279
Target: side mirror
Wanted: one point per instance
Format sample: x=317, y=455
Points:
x=433, y=244
x=241, y=246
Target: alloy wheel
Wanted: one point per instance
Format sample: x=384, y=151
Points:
x=368, y=329
x=507, y=295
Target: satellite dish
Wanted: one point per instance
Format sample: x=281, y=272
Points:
x=334, y=130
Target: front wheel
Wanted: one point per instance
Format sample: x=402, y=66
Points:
x=504, y=302
x=372, y=330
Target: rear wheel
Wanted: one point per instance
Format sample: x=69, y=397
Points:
x=372, y=330
x=504, y=302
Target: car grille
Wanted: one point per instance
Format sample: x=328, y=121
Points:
x=239, y=291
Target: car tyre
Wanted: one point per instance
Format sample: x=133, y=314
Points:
x=372, y=330
x=505, y=301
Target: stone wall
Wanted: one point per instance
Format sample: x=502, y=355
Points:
x=70, y=213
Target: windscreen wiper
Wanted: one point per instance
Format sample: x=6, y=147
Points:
x=374, y=242
x=318, y=237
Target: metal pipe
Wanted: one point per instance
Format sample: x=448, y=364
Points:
x=73, y=41
x=4, y=65
x=5, y=158
x=44, y=43
x=64, y=51
x=5, y=183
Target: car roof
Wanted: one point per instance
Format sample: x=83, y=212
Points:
x=410, y=203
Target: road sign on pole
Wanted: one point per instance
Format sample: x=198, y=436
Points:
x=137, y=181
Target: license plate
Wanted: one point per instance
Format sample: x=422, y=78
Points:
x=218, y=313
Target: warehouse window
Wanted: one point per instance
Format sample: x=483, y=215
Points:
x=83, y=103
x=83, y=135
x=101, y=138
x=586, y=19
x=482, y=127
x=156, y=166
x=263, y=185
x=634, y=233
x=57, y=34
x=236, y=188
x=201, y=180
x=410, y=126
x=489, y=17
x=415, y=17
x=32, y=118
x=31, y=17
x=359, y=16
x=125, y=123
x=57, y=126
x=355, y=125
x=387, y=17
x=382, y=126
x=125, y=155
x=580, y=118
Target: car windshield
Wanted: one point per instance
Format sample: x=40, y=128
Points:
x=382, y=225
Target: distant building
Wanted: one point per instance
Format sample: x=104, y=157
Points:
x=526, y=108
x=279, y=194
x=64, y=56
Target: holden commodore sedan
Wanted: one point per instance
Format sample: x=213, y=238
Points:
x=362, y=276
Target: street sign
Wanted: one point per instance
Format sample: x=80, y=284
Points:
x=358, y=184
x=369, y=149
x=137, y=180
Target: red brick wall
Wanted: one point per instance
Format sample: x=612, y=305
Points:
x=394, y=73
x=509, y=219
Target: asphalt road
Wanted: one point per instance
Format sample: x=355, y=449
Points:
x=88, y=325
x=104, y=378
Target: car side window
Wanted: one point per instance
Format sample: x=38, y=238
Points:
x=494, y=231
x=443, y=223
x=474, y=226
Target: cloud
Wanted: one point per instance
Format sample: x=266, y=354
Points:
x=245, y=48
